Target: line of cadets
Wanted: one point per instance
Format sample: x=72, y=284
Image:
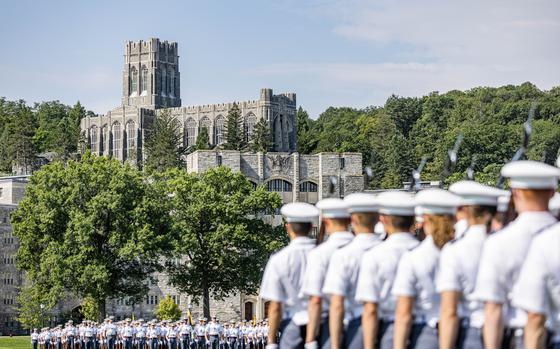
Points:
x=472, y=267
x=139, y=334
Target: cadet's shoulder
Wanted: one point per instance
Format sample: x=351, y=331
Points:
x=548, y=237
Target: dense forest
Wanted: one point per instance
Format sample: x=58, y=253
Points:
x=393, y=138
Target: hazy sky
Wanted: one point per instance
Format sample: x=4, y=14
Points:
x=330, y=52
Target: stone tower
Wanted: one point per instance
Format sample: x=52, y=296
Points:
x=151, y=74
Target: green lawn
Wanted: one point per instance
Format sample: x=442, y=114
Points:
x=20, y=342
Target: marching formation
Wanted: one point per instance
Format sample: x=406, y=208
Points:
x=469, y=267
x=139, y=334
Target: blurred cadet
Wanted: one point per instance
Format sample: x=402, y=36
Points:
x=35, y=339
x=554, y=205
x=335, y=221
x=283, y=277
x=504, y=214
x=462, y=316
x=379, y=266
x=152, y=335
x=461, y=223
x=419, y=223
x=532, y=185
x=417, y=310
x=172, y=336
x=213, y=331
x=345, y=313
x=200, y=332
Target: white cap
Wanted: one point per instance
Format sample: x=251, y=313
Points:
x=396, y=203
x=333, y=208
x=437, y=201
x=419, y=214
x=554, y=204
x=300, y=212
x=361, y=202
x=503, y=202
x=527, y=174
x=474, y=193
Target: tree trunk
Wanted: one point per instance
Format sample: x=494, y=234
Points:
x=206, y=300
x=102, y=309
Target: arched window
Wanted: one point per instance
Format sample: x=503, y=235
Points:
x=250, y=121
x=103, y=139
x=163, y=82
x=133, y=81
x=279, y=185
x=117, y=140
x=144, y=79
x=205, y=122
x=130, y=137
x=219, y=130
x=93, y=139
x=308, y=187
x=190, y=132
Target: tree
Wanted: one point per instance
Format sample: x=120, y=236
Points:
x=164, y=144
x=217, y=227
x=306, y=141
x=167, y=309
x=233, y=129
x=17, y=140
x=90, y=308
x=31, y=307
x=94, y=228
x=260, y=138
x=202, y=140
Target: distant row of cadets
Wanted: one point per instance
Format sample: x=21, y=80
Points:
x=469, y=267
x=138, y=334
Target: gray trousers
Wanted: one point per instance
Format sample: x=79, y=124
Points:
x=353, y=335
x=470, y=338
x=292, y=336
x=385, y=335
x=324, y=334
x=423, y=336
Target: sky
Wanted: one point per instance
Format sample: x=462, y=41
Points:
x=352, y=53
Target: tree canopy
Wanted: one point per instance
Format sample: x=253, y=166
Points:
x=261, y=139
x=233, y=129
x=164, y=144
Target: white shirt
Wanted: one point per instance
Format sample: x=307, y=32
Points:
x=500, y=264
x=213, y=329
x=110, y=329
x=458, y=268
x=461, y=227
x=200, y=330
x=342, y=275
x=416, y=277
x=318, y=263
x=538, y=287
x=283, y=278
x=377, y=272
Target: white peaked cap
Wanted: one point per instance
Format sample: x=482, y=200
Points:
x=300, y=212
x=437, y=201
x=474, y=193
x=333, y=208
x=554, y=204
x=419, y=212
x=527, y=174
x=503, y=202
x=396, y=203
x=361, y=202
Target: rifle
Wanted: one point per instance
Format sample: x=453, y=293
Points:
x=416, y=175
x=522, y=151
x=451, y=160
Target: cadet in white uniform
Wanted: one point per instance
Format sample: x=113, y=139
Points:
x=533, y=184
x=379, y=266
x=283, y=277
x=462, y=316
x=213, y=331
x=538, y=289
x=554, y=205
x=336, y=220
x=417, y=311
x=342, y=275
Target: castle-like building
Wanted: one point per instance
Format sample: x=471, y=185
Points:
x=151, y=85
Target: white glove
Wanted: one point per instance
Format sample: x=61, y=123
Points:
x=311, y=345
x=272, y=346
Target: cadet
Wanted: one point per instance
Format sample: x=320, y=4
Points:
x=34, y=339
x=533, y=184
x=172, y=336
x=417, y=310
x=342, y=275
x=70, y=333
x=213, y=331
x=538, y=289
x=335, y=220
x=152, y=335
x=554, y=205
x=231, y=335
x=283, y=277
x=200, y=331
x=461, y=316
x=379, y=266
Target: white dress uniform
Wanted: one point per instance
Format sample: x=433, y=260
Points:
x=459, y=262
x=538, y=287
x=554, y=205
x=460, y=227
x=379, y=265
x=283, y=276
x=319, y=258
x=505, y=251
x=342, y=275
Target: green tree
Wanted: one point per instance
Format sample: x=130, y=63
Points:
x=90, y=309
x=260, y=138
x=164, y=144
x=306, y=141
x=233, y=129
x=167, y=309
x=202, y=140
x=31, y=307
x=94, y=228
x=17, y=146
x=217, y=226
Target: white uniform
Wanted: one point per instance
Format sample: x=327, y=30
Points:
x=502, y=257
x=283, y=277
x=538, y=286
x=460, y=228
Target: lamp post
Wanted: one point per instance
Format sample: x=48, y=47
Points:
x=42, y=306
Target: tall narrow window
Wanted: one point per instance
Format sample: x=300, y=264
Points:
x=190, y=132
x=171, y=83
x=219, y=130
x=93, y=139
x=144, y=79
x=103, y=139
x=133, y=81
x=163, y=81
x=130, y=138
x=250, y=121
x=117, y=141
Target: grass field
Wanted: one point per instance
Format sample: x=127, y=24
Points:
x=20, y=342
